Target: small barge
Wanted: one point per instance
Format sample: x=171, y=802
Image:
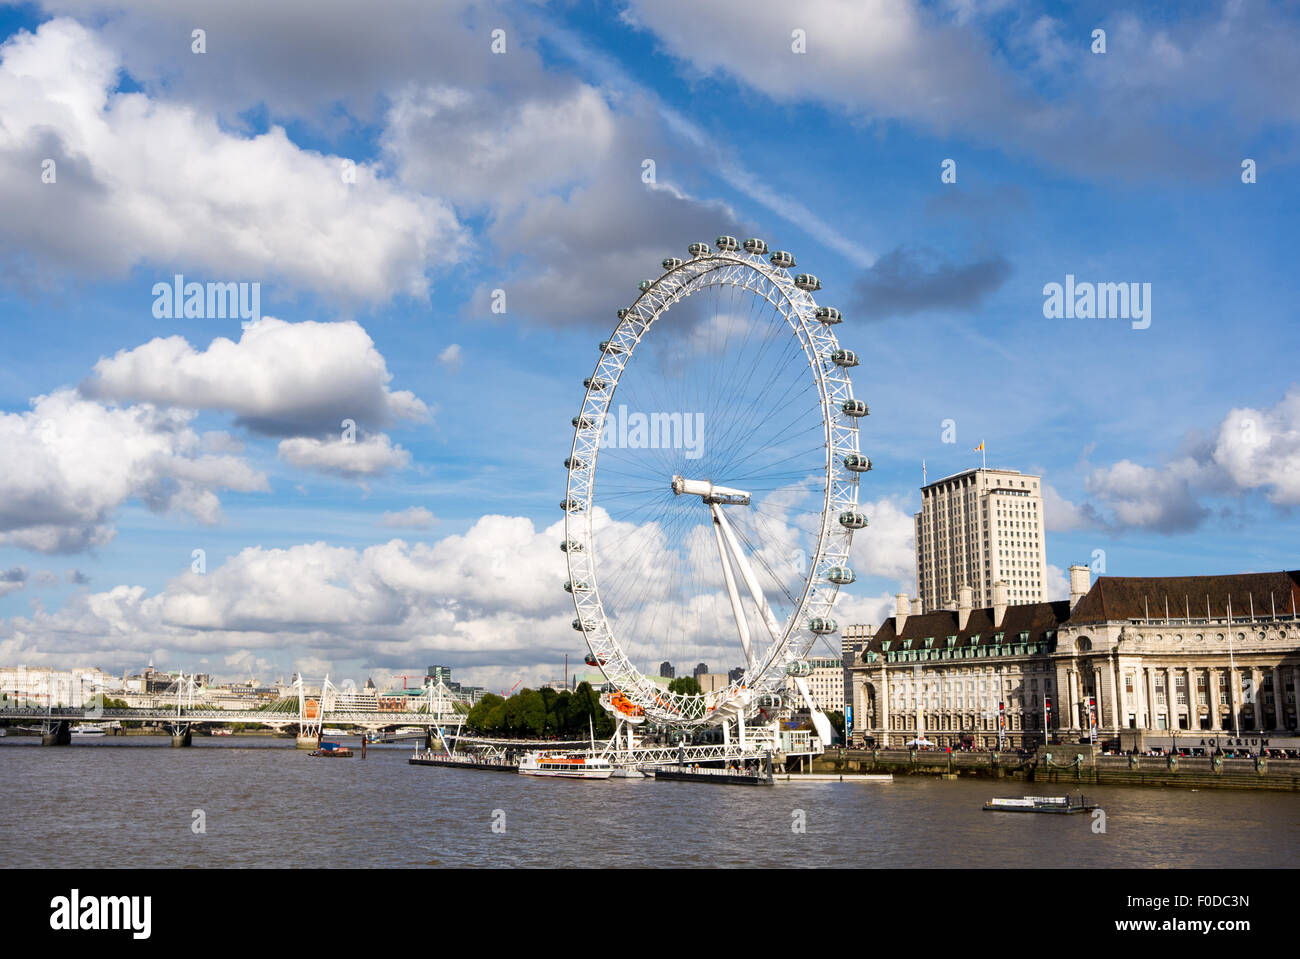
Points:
x=724, y=777
x=1061, y=805
x=458, y=762
x=331, y=751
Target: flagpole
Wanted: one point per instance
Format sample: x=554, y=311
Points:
x=984, y=456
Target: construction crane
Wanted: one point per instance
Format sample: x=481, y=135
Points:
x=507, y=695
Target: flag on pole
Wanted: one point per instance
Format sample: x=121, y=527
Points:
x=984, y=461
x=980, y=448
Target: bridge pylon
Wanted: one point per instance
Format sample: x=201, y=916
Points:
x=311, y=712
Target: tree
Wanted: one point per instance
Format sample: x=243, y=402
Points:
x=687, y=685
x=477, y=720
x=532, y=712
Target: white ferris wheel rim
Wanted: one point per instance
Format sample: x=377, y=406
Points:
x=766, y=675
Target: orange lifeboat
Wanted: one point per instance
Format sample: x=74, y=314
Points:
x=625, y=705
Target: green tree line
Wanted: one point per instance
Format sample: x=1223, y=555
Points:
x=541, y=713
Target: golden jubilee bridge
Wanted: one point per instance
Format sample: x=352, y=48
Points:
x=306, y=713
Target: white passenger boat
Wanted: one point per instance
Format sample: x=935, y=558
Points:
x=565, y=765
x=88, y=729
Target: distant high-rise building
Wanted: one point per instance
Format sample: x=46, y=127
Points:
x=977, y=528
x=440, y=674
x=735, y=673
x=666, y=670
x=700, y=670
x=853, y=638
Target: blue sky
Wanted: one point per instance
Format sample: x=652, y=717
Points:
x=1173, y=449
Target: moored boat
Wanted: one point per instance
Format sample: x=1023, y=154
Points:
x=331, y=751
x=565, y=765
x=1062, y=805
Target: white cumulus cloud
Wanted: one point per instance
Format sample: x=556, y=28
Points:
x=372, y=455
x=282, y=379
x=146, y=180
x=413, y=517
x=75, y=461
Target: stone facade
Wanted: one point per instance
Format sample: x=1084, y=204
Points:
x=1221, y=662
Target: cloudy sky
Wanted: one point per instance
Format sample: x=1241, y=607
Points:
x=180, y=488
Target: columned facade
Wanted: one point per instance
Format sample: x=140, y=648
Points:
x=1200, y=679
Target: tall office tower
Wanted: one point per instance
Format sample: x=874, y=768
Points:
x=977, y=528
x=666, y=670
x=853, y=638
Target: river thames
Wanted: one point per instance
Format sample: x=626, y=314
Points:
x=132, y=801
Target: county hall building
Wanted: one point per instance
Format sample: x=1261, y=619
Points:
x=1158, y=661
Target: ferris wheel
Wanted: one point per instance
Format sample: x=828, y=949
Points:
x=709, y=513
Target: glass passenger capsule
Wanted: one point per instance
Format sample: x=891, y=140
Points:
x=782, y=258
x=582, y=627
x=591, y=660
x=855, y=407
x=755, y=246
x=768, y=701
x=671, y=263
x=727, y=244
x=570, y=546
x=822, y=626
x=572, y=462
x=571, y=587
x=571, y=505
x=592, y=383
x=844, y=358
x=798, y=669
x=581, y=422
x=645, y=285
x=828, y=315
x=857, y=463
x=698, y=249
x=806, y=281
x=623, y=311
x=841, y=575
x=609, y=346
x=851, y=519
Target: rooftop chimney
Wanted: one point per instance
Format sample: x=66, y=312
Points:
x=917, y=607
x=999, y=603
x=1080, y=583
x=900, y=613
x=965, y=595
